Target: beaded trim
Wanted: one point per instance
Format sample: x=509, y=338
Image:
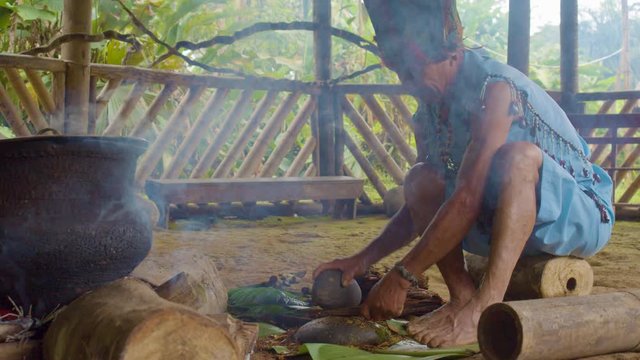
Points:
x=545, y=137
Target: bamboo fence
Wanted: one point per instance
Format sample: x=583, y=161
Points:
x=203, y=126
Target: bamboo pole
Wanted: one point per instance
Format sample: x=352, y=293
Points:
x=36, y=117
x=311, y=171
x=245, y=135
x=76, y=18
x=155, y=151
x=386, y=160
x=300, y=159
x=403, y=110
x=631, y=190
x=41, y=91
x=561, y=328
x=325, y=109
x=230, y=123
x=366, y=166
x=189, y=144
x=339, y=132
x=105, y=95
x=12, y=115
x=93, y=120
x=115, y=127
x=57, y=121
x=631, y=159
x=149, y=117
x=253, y=159
x=288, y=139
x=391, y=128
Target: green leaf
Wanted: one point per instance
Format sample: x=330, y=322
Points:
x=265, y=330
x=338, y=352
x=398, y=326
x=28, y=13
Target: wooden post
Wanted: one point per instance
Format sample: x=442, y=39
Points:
x=322, y=53
x=76, y=18
x=569, y=54
x=519, y=27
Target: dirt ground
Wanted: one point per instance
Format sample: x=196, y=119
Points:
x=247, y=252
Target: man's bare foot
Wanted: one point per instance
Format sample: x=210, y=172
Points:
x=455, y=328
x=438, y=318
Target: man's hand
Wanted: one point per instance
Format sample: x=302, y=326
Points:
x=386, y=299
x=351, y=267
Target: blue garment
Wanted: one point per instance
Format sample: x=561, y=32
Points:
x=575, y=213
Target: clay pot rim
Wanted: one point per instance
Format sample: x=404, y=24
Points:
x=127, y=141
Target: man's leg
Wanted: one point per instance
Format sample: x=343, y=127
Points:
x=518, y=165
x=424, y=194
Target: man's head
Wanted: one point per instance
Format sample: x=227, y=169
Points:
x=415, y=35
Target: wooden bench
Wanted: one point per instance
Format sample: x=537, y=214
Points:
x=165, y=192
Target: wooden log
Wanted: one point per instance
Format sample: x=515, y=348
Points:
x=57, y=121
x=30, y=106
x=403, y=110
x=154, y=153
x=41, y=90
x=199, y=287
x=24, y=350
x=339, y=133
x=288, y=139
x=126, y=320
x=143, y=125
x=228, y=125
x=386, y=160
x=561, y=328
x=300, y=159
x=540, y=276
x=366, y=166
x=253, y=159
x=311, y=171
x=392, y=130
x=245, y=135
x=189, y=144
x=116, y=125
x=105, y=95
x=11, y=114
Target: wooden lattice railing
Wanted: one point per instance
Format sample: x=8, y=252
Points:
x=202, y=126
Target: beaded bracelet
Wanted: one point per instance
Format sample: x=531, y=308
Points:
x=406, y=274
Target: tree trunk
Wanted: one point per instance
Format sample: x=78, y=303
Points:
x=127, y=320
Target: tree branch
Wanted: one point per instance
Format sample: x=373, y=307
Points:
x=107, y=35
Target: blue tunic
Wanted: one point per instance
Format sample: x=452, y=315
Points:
x=575, y=213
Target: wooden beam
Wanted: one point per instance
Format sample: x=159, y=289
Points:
x=396, y=100
x=300, y=159
x=30, y=106
x=519, y=28
x=115, y=127
x=102, y=100
x=31, y=62
x=149, y=117
x=569, y=54
x=76, y=18
x=366, y=166
x=12, y=115
x=59, y=81
x=41, y=90
x=325, y=111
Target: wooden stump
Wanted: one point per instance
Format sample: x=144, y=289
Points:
x=127, y=320
x=540, y=276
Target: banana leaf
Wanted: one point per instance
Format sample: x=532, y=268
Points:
x=338, y=352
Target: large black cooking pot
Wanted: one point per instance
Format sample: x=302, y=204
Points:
x=69, y=217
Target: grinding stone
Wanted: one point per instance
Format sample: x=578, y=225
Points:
x=329, y=293
x=342, y=331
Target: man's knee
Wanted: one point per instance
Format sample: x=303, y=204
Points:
x=422, y=181
x=519, y=159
